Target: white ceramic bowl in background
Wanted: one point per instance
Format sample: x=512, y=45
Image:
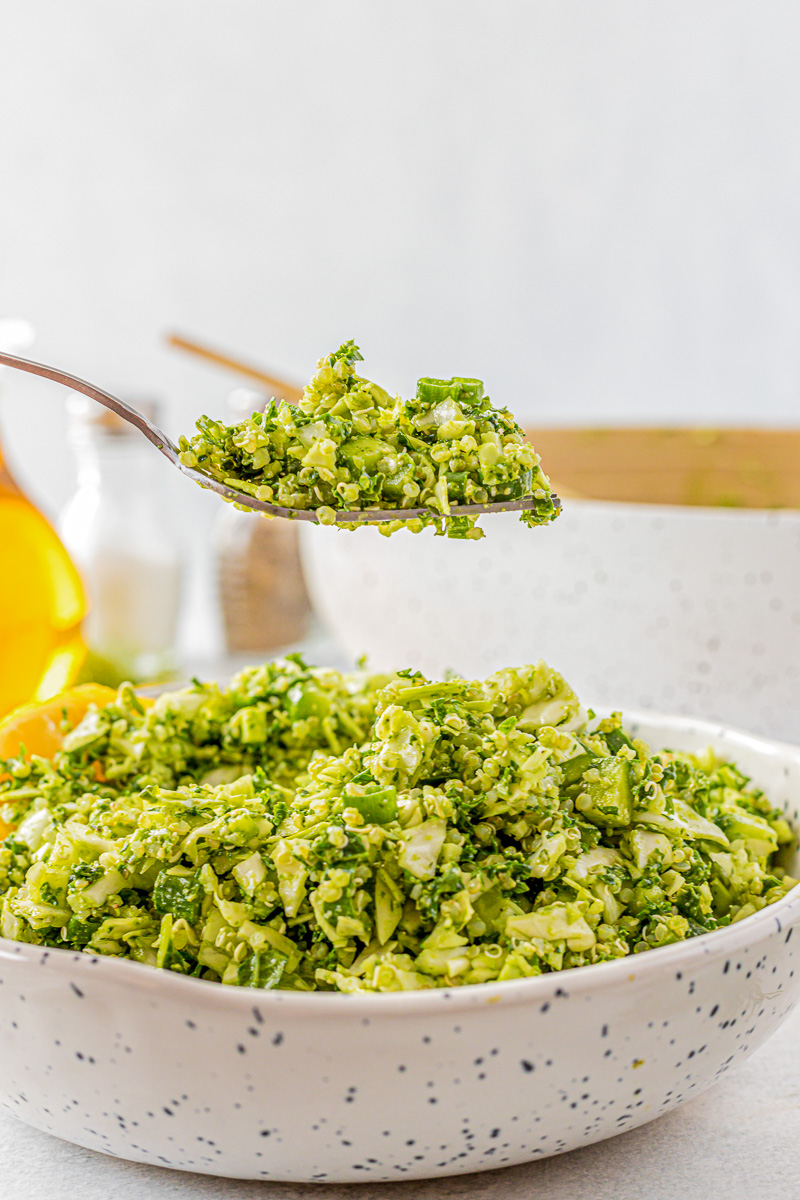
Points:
x=162, y=1069
x=688, y=610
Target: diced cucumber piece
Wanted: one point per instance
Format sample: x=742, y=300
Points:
x=377, y=807
x=306, y=700
x=609, y=799
x=364, y=453
x=616, y=739
x=573, y=768
x=456, y=484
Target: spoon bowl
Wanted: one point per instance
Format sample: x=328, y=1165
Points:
x=170, y=451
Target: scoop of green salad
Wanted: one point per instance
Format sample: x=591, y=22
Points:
x=350, y=446
x=308, y=829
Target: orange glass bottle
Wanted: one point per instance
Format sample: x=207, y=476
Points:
x=42, y=603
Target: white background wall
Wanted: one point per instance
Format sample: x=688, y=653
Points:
x=593, y=206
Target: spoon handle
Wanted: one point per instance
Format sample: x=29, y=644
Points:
x=123, y=410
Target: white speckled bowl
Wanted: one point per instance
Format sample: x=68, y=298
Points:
x=250, y=1084
x=688, y=610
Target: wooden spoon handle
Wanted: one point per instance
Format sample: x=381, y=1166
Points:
x=281, y=387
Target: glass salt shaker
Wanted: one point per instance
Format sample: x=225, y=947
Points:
x=116, y=527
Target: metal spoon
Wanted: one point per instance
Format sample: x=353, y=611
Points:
x=171, y=452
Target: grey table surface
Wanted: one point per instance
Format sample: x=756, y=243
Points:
x=740, y=1141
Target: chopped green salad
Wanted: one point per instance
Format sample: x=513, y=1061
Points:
x=350, y=446
x=307, y=829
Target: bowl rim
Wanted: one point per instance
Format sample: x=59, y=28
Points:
x=783, y=915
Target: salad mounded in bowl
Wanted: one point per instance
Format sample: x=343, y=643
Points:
x=306, y=829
